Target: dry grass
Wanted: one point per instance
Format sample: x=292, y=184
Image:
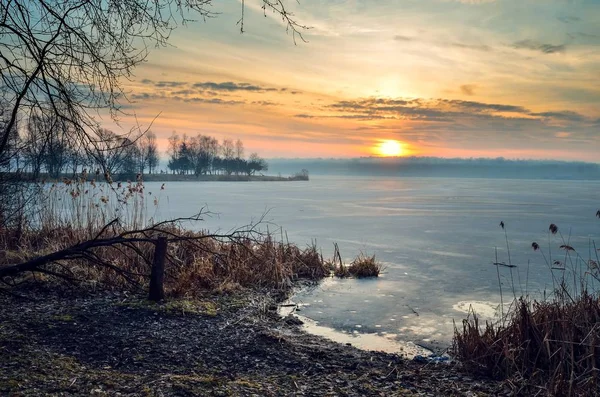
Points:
x=77, y=210
x=542, y=347
x=365, y=266
x=210, y=263
x=250, y=263
x=341, y=271
x=362, y=266
x=88, y=204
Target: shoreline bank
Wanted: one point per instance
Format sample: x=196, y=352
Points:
x=106, y=343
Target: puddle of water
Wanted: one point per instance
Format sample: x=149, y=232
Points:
x=383, y=342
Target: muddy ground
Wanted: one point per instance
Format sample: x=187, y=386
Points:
x=105, y=343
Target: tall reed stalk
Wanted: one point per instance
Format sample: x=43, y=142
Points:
x=549, y=345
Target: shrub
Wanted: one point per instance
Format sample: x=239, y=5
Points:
x=365, y=266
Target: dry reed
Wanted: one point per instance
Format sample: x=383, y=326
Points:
x=365, y=266
x=542, y=347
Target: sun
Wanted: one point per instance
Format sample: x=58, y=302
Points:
x=389, y=148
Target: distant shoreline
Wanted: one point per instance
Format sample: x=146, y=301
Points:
x=222, y=178
x=165, y=178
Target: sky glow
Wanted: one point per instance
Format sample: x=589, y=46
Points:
x=511, y=78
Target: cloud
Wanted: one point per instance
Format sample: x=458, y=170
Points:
x=468, y=46
x=371, y=103
x=588, y=36
x=562, y=134
x=211, y=93
x=468, y=89
x=537, y=46
x=362, y=117
x=483, y=107
x=568, y=19
x=265, y=103
x=170, y=84
x=460, y=114
x=211, y=88
x=562, y=115
x=146, y=96
x=213, y=101
x=477, y=47
x=184, y=92
x=231, y=86
x=429, y=106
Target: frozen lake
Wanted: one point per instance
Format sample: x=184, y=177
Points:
x=435, y=236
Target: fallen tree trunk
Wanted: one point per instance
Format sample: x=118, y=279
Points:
x=78, y=251
x=159, y=234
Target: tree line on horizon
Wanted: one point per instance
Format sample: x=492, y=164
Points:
x=63, y=64
x=44, y=146
x=204, y=155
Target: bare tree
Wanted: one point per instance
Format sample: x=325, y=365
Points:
x=68, y=57
x=143, y=145
x=151, y=151
x=9, y=156
x=114, y=153
x=56, y=155
x=36, y=143
x=239, y=149
x=213, y=148
x=76, y=158
x=13, y=196
x=228, y=149
x=173, y=150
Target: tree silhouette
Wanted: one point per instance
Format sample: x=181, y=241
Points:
x=68, y=57
x=200, y=156
x=64, y=61
x=151, y=151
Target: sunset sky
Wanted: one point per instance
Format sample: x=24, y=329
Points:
x=448, y=78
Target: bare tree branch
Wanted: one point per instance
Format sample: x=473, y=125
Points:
x=124, y=241
x=70, y=56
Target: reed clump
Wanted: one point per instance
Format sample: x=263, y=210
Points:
x=257, y=262
x=365, y=266
x=545, y=346
x=554, y=345
x=342, y=271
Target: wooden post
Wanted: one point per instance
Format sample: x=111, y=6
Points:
x=157, y=276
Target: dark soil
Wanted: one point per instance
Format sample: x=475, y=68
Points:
x=105, y=343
